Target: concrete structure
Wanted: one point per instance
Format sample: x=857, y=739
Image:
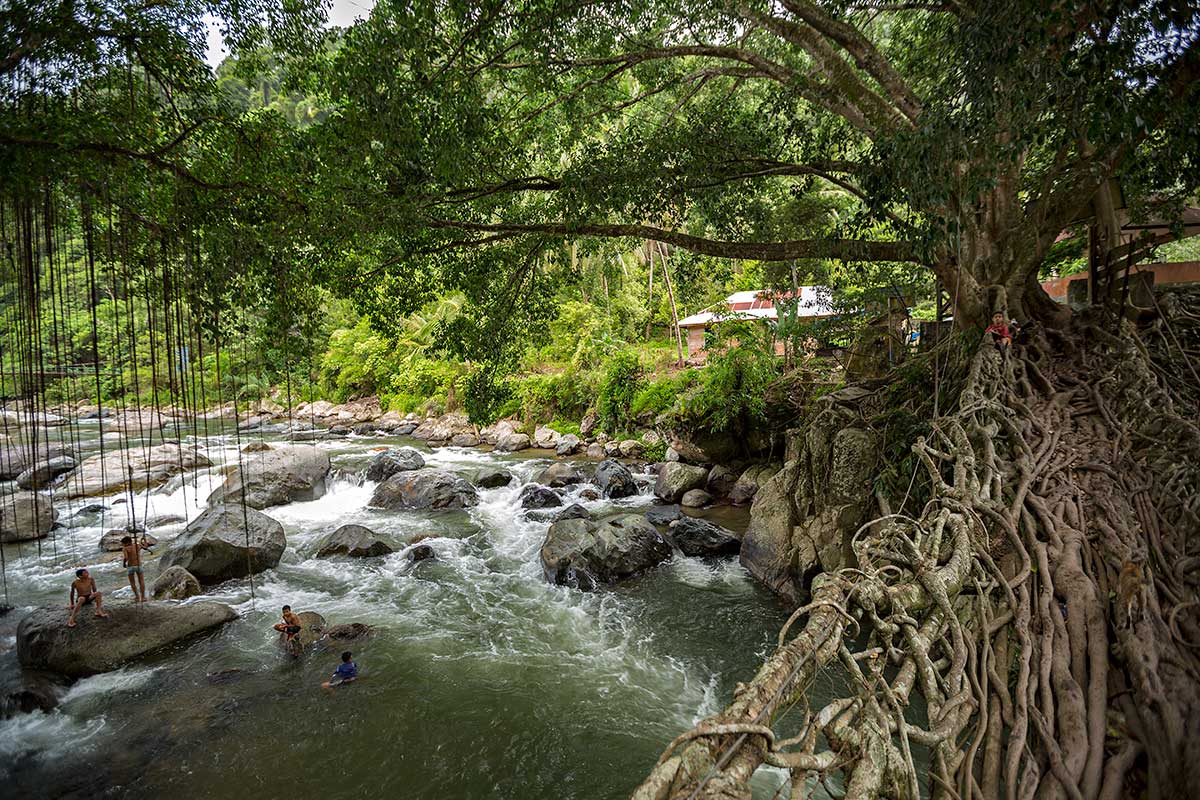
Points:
x=814, y=303
x=1178, y=272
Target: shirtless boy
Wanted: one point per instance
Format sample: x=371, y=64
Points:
x=290, y=625
x=131, y=560
x=83, y=592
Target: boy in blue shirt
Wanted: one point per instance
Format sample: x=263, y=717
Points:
x=346, y=672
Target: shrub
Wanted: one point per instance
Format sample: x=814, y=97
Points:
x=661, y=394
x=622, y=380
x=486, y=395
x=733, y=393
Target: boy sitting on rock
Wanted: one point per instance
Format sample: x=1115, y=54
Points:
x=84, y=592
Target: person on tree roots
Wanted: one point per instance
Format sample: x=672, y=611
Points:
x=84, y=592
x=290, y=627
x=1001, y=335
x=131, y=560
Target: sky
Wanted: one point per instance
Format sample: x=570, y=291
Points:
x=342, y=15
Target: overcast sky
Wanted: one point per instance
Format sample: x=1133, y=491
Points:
x=342, y=14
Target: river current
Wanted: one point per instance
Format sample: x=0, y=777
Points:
x=482, y=680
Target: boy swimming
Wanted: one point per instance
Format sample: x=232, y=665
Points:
x=346, y=672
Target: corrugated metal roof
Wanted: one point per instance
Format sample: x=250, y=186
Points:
x=760, y=304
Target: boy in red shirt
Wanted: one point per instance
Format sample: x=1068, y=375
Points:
x=1001, y=337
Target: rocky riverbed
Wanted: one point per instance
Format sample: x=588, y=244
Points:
x=483, y=676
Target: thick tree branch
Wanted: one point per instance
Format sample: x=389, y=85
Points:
x=841, y=249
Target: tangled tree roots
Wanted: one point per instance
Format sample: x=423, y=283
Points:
x=1043, y=605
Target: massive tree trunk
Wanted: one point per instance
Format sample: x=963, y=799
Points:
x=1044, y=605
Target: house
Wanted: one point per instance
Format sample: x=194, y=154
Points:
x=758, y=304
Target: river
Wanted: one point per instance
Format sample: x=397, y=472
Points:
x=482, y=680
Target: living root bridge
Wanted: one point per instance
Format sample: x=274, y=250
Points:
x=1005, y=608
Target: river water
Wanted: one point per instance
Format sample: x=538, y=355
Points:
x=482, y=681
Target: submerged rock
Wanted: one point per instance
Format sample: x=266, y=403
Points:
x=676, y=479
x=699, y=537
x=175, y=583
x=349, y=632
x=354, y=540
x=386, y=464
x=695, y=498
x=287, y=474
x=559, y=475
x=420, y=489
x=25, y=691
x=100, y=645
x=25, y=516
x=227, y=542
x=614, y=480
x=588, y=553
x=422, y=552
x=493, y=478
x=535, y=496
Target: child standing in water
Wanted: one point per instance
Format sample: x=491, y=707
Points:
x=131, y=560
x=346, y=672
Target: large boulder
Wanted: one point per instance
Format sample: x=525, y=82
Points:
x=25, y=516
x=135, y=468
x=535, y=496
x=567, y=445
x=226, y=542
x=559, y=475
x=110, y=541
x=175, y=583
x=804, y=516
x=750, y=481
x=631, y=448
x=699, y=537
x=400, y=459
x=354, y=540
x=312, y=629
x=720, y=481
x=16, y=457
x=493, y=478
x=512, y=442
x=444, y=428
x=695, y=498
x=614, y=480
x=424, y=488
x=596, y=450
x=546, y=438
x=676, y=479
x=43, y=473
x=588, y=553
x=287, y=474
x=100, y=645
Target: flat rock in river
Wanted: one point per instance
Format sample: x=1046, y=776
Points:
x=699, y=537
x=133, y=469
x=100, y=645
x=286, y=474
x=676, y=479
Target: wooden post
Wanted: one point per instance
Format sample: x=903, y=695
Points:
x=662, y=253
x=650, y=297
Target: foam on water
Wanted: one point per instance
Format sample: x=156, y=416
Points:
x=637, y=663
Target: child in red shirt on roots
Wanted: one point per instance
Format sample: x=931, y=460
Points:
x=1001, y=336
